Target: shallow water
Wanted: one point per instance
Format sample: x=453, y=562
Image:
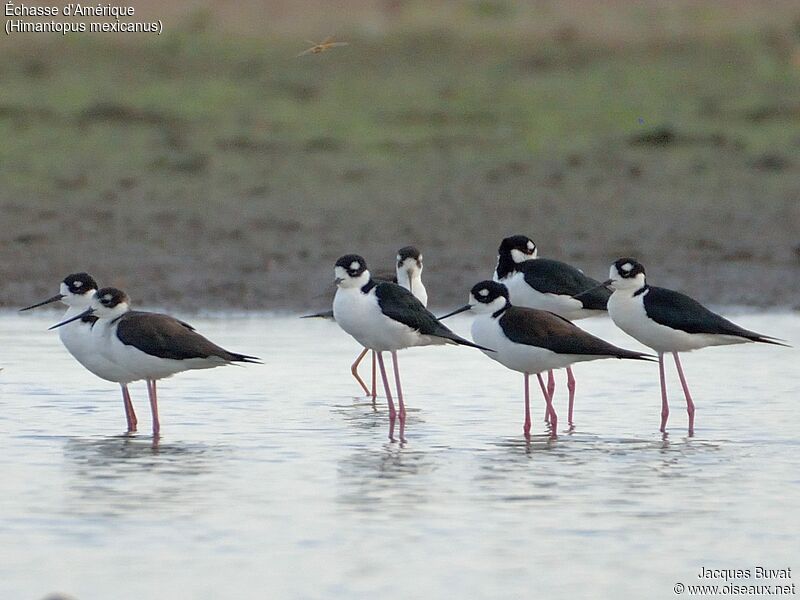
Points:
x=277, y=481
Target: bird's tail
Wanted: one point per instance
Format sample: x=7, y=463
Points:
x=244, y=358
x=622, y=353
x=766, y=339
x=457, y=339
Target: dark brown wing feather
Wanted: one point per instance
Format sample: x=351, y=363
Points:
x=546, y=330
x=166, y=337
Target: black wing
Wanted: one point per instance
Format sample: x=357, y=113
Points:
x=555, y=277
x=166, y=337
x=399, y=304
x=679, y=311
x=547, y=330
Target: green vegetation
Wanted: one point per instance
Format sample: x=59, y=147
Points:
x=218, y=152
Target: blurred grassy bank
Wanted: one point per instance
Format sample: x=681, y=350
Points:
x=211, y=168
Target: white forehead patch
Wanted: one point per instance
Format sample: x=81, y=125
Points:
x=77, y=283
x=530, y=245
x=484, y=292
x=355, y=265
x=627, y=267
x=399, y=258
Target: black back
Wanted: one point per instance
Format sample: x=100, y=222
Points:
x=679, y=311
x=166, y=337
x=555, y=277
x=400, y=305
x=544, y=329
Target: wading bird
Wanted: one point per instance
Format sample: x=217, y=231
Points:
x=385, y=317
x=150, y=346
x=532, y=341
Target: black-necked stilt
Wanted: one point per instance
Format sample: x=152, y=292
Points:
x=408, y=273
x=385, y=317
x=550, y=285
x=532, y=341
x=77, y=291
x=151, y=346
x=668, y=321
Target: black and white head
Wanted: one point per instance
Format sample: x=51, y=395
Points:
x=110, y=303
x=519, y=247
x=485, y=297
x=409, y=260
x=105, y=303
x=626, y=274
x=351, y=271
x=488, y=297
x=78, y=289
x=75, y=290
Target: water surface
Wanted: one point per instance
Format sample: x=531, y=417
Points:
x=277, y=481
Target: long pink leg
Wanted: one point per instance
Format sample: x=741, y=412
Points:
x=401, y=407
x=664, y=402
x=374, y=378
x=551, y=389
x=151, y=392
x=130, y=415
x=527, y=427
x=550, y=410
x=354, y=371
x=387, y=389
x=571, y=387
x=689, y=402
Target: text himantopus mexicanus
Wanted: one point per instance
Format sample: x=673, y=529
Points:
x=532, y=341
x=77, y=291
x=385, y=317
x=149, y=345
x=668, y=321
x=550, y=285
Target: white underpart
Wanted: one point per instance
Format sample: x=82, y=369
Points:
x=486, y=331
x=80, y=342
x=360, y=315
x=628, y=313
x=140, y=364
x=409, y=275
x=522, y=294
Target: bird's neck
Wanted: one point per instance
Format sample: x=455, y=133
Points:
x=498, y=313
x=505, y=266
x=365, y=289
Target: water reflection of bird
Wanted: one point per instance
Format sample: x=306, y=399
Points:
x=325, y=45
x=668, y=321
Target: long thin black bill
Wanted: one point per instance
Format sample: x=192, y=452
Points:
x=55, y=298
x=606, y=283
x=85, y=313
x=455, y=312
